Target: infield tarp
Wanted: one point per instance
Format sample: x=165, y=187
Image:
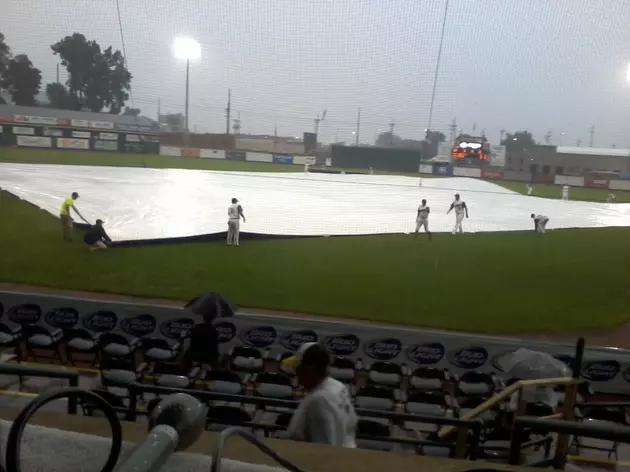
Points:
x=144, y=204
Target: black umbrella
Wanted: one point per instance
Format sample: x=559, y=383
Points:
x=211, y=306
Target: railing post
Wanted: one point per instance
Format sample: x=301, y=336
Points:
x=564, y=439
x=461, y=442
x=132, y=414
x=578, y=358
x=73, y=401
x=514, y=456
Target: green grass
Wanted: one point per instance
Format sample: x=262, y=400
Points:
x=493, y=283
x=576, y=193
x=53, y=156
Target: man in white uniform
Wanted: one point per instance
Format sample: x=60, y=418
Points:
x=529, y=189
x=461, y=210
x=422, y=219
x=235, y=213
x=540, y=223
x=565, y=192
x=326, y=414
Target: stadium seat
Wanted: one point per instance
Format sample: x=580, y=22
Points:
x=80, y=341
x=420, y=402
x=368, y=429
x=221, y=417
x=120, y=372
x=469, y=403
x=477, y=383
x=174, y=375
x=159, y=350
x=375, y=397
x=342, y=369
x=273, y=385
x=428, y=378
x=114, y=401
x=246, y=359
x=116, y=345
x=10, y=336
x=602, y=415
x=386, y=374
x=224, y=381
x=42, y=339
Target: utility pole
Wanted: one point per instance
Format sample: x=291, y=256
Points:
x=392, y=125
x=275, y=137
x=57, y=73
x=237, y=124
x=453, y=129
x=228, y=112
x=592, y=133
x=501, y=133
x=318, y=120
x=356, y=135
x=548, y=137
x=437, y=66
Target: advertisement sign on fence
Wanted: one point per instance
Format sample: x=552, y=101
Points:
x=108, y=136
x=102, y=124
x=595, y=182
x=58, y=133
x=35, y=120
x=282, y=159
x=22, y=130
x=105, y=146
x=34, y=141
x=132, y=138
x=235, y=155
x=442, y=169
x=497, y=155
x=66, y=143
x=491, y=174
x=191, y=152
x=80, y=123
x=81, y=134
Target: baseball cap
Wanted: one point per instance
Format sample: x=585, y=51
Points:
x=308, y=354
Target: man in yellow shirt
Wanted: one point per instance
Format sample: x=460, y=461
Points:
x=66, y=219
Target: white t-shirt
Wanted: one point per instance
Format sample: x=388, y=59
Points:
x=325, y=416
x=234, y=211
x=458, y=206
x=541, y=218
x=423, y=213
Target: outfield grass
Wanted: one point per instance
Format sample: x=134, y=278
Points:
x=576, y=193
x=78, y=158
x=494, y=283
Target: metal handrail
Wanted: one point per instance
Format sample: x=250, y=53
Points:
x=22, y=370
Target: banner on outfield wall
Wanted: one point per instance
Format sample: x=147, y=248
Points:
x=282, y=159
x=497, y=155
x=34, y=141
x=443, y=169
x=105, y=146
x=212, y=154
x=571, y=180
x=310, y=160
x=259, y=157
x=57, y=133
x=425, y=168
x=491, y=174
x=191, y=152
x=81, y=134
x=328, y=162
x=35, y=120
x=595, y=182
x=108, y=136
x=67, y=143
x=607, y=370
x=472, y=172
x=170, y=151
x=22, y=130
x=619, y=185
x=237, y=156
x=132, y=138
x=6, y=118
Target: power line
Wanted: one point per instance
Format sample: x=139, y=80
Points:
x=122, y=40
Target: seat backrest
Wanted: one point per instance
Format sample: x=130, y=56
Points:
x=375, y=397
x=477, y=377
x=112, y=338
x=246, y=352
x=275, y=378
x=429, y=373
x=222, y=375
x=386, y=368
x=35, y=329
x=155, y=343
x=372, y=428
x=77, y=333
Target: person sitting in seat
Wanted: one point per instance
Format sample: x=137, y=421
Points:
x=96, y=238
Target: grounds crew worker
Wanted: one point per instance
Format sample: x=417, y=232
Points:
x=326, y=414
x=66, y=219
x=235, y=213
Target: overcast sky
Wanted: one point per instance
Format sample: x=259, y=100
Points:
x=540, y=65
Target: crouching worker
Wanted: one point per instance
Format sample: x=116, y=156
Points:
x=96, y=238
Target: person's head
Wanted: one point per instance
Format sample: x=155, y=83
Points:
x=424, y=202
x=75, y=195
x=234, y=200
x=311, y=363
x=457, y=196
x=533, y=215
x=99, y=223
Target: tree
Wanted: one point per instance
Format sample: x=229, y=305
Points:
x=5, y=55
x=387, y=139
x=59, y=97
x=433, y=140
x=22, y=80
x=131, y=111
x=518, y=141
x=96, y=79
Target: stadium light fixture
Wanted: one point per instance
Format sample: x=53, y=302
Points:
x=189, y=50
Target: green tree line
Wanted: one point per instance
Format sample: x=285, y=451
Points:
x=98, y=79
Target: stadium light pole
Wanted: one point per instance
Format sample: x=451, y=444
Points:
x=189, y=50
x=437, y=69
